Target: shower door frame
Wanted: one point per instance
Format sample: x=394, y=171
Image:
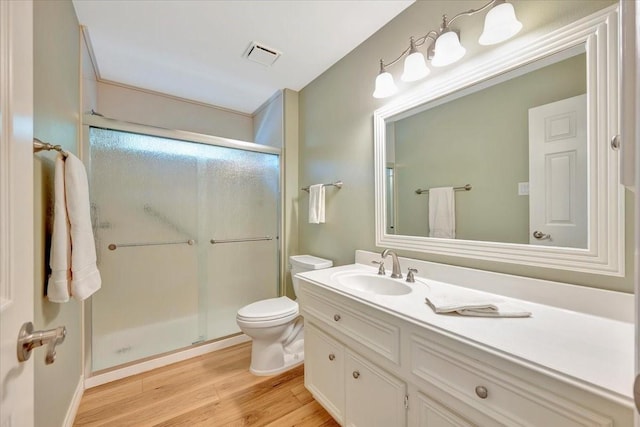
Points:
x=92, y=379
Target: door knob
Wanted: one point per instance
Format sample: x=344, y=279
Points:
x=28, y=339
x=615, y=142
x=540, y=235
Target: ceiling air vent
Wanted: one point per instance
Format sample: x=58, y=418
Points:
x=261, y=54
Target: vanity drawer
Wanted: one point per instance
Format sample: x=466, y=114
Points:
x=381, y=337
x=505, y=398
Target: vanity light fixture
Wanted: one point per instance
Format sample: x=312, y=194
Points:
x=500, y=24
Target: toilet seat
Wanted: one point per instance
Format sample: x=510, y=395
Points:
x=268, y=310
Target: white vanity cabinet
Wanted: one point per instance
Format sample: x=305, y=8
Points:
x=371, y=367
x=459, y=386
x=354, y=391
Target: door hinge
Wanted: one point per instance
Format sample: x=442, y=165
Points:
x=406, y=401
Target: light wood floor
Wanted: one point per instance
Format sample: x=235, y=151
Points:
x=211, y=390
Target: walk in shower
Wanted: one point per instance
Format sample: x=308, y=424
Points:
x=186, y=234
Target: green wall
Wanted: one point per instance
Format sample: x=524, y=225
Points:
x=336, y=135
x=480, y=139
x=56, y=103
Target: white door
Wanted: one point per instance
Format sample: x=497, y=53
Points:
x=558, y=173
x=16, y=208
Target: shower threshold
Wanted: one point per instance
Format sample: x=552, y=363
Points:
x=143, y=365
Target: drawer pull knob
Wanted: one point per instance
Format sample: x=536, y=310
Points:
x=356, y=374
x=332, y=356
x=336, y=317
x=482, y=392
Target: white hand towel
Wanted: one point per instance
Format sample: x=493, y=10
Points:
x=469, y=303
x=316, y=204
x=85, y=277
x=60, y=254
x=442, y=213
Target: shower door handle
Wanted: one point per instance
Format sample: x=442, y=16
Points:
x=246, y=239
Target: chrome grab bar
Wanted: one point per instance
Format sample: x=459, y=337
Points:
x=246, y=239
x=114, y=246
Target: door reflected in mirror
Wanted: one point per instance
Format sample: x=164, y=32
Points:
x=519, y=140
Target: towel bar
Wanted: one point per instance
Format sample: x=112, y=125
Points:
x=330, y=184
x=465, y=188
x=45, y=146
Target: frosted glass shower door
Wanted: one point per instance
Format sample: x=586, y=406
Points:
x=242, y=205
x=163, y=212
x=145, y=203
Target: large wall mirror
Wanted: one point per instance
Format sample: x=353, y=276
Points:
x=520, y=141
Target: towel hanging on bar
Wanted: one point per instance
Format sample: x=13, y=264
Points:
x=316, y=204
x=73, y=254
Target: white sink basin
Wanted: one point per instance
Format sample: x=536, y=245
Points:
x=372, y=283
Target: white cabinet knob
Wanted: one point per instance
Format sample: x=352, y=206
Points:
x=482, y=392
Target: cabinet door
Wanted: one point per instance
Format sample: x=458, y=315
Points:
x=429, y=413
x=324, y=370
x=374, y=398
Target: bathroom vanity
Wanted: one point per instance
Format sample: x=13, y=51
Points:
x=377, y=354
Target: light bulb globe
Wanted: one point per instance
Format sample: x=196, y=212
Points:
x=447, y=49
x=385, y=86
x=500, y=24
x=415, y=68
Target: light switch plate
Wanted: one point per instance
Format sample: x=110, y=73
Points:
x=523, y=189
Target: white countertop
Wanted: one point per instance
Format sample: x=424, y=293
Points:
x=591, y=352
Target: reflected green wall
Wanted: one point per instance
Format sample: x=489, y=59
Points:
x=336, y=136
x=480, y=139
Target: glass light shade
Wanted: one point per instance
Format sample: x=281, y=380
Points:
x=447, y=49
x=415, y=68
x=500, y=24
x=385, y=85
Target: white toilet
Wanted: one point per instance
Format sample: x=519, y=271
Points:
x=275, y=325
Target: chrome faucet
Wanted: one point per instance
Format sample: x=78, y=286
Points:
x=396, y=273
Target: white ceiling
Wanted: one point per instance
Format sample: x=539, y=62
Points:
x=193, y=49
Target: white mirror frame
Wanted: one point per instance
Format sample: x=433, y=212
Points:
x=605, y=252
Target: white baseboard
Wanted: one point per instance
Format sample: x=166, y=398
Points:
x=75, y=403
x=159, y=362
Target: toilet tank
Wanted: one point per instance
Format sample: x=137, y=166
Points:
x=302, y=263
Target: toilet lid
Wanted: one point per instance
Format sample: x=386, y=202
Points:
x=268, y=309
